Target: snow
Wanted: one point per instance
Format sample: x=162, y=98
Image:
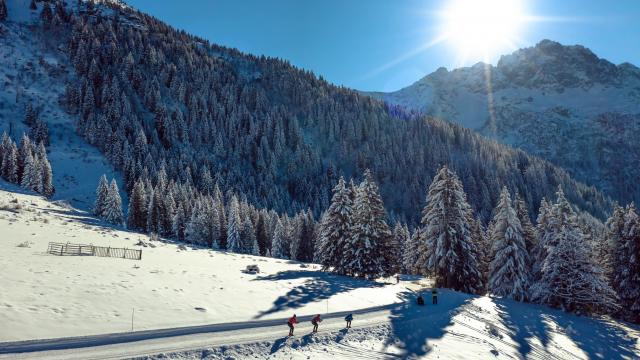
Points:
x=53, y=296
x=175, y=286
x=30, y=72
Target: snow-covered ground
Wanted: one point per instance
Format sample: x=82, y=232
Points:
x=47, y=296
x=55, y=296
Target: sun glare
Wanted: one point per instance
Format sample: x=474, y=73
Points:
x=480, y=29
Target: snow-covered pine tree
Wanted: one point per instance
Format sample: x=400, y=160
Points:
x=112, y=211
x=509, y=269
x=47, y=178
x=195, y=231
x=528, y=230
x=306, y=243
x=570, y=279
x=137, y=213
x=31, y=176
x=481, y=240
x=410, y=254
x=10, y=163
x=335, y=228
x=613, y=240
x=248, y=236
x=394, y=253
x=179, y=223
x=234, y=226
x=3, y=10
x=262, y=237
x=543, y=231
x=154, y=211
x=278, y=243
x=101, y=196
x=365, y=250
x=446, y=249
x=625, y=262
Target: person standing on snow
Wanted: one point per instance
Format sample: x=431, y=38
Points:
x=348, y=319
x=291, y=323
x=434, y=296
x=315, y=321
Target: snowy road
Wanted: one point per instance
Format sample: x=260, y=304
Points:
x=141, y=343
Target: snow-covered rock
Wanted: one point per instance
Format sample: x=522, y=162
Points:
x=561, y=103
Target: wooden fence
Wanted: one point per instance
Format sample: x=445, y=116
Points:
x=91, y=250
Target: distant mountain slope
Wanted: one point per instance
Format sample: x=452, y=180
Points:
x=164, y=106
x=561, y=103
x=34, y=72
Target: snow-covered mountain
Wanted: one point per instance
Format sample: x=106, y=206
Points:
x=562, y=103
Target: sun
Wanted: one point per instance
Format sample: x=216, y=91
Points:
x=481, y=29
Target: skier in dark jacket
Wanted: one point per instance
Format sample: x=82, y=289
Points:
x=434, y=296
x=348, y=319
x=291, y=323
x=315, y=321
x=420, y=300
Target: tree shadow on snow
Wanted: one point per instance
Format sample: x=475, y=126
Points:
x=319, y=286
x=599, y=338
x=526, y=322
x=413, y=326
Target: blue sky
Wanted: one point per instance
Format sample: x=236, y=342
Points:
x=371, y=44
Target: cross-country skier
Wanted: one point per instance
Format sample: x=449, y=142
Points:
x=434, y=296
x=315, y=321
x=348, y=319
x=291, y=323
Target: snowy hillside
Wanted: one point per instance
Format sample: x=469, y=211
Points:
x=35, y=72
x=59, y=296
x=561, y=103
x=53, y=296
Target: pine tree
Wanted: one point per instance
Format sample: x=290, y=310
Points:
x=509, y=269
x=234, y=226
x=365, y=250
x=249, y=240
x=101, y=196
x=31, y=174
x=543, y=231
x=446, y=250
x=394, y=252
x=625, y=261
x=261, y=234
x=47, y=178
x=112, y=211
x=528, y=230
x=180, y=222
x=10, y=163
x=306, y=238
x=335, y=228
x=481, y=240
x=279, y=242
x=410, y=254
x=570, y=280
x=3, y=10
x=614, y=238
x=137, y=213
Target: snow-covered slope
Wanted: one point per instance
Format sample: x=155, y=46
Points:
x=34, y=70
x=172, y=285
x=561, y=103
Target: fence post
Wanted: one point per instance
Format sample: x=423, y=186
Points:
x=109, y=251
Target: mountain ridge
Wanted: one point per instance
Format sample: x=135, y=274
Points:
x=561, y=103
